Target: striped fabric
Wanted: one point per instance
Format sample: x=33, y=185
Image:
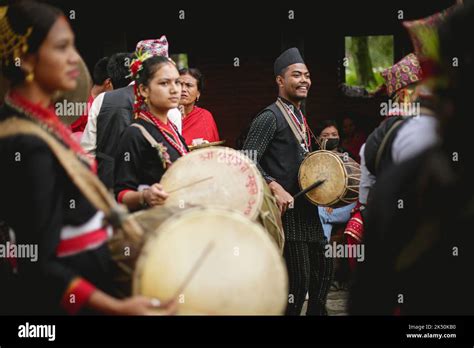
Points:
x=309, y=270
x=88, y=236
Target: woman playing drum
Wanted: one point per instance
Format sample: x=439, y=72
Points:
x=149, y=146
x=68, y=268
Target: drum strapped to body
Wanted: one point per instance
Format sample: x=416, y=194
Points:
x=341, y=175
x=215, y=177
x=223, y=177
x=125, y=247
x=213, y=261
x=243, y=273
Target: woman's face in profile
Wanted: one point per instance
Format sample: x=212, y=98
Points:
x=56, y=62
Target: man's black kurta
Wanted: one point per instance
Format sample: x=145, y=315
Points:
x=279, y=156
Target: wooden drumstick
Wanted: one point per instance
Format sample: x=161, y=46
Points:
x=195, y=268
x=190, y=184
x=309, y=188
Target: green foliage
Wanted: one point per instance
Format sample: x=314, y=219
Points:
x=381, y=54
x=181, y=60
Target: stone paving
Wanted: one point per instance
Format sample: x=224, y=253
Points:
x=336, y=303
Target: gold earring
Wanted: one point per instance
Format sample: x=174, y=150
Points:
x=146, y=100
x=30, y=77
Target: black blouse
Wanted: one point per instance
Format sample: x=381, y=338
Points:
x=38, y=201
x=137, y=163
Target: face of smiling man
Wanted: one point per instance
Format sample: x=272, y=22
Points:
x=294, y=83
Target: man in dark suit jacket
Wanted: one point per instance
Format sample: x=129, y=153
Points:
x=109, y=114
x=115, y=115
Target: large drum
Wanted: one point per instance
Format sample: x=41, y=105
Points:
x=213, y=261
x=224, y=178
x=341, y=175
x=126, y=247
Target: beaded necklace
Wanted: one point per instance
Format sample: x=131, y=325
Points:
x=170, y=134
x=302, y=127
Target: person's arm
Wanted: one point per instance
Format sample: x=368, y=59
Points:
x=148, y=197
x=89, y=137
x=128, y=167
x=53, y=279
x=367, y=179
x=417, y=135
x=101, y=302
x=42, y=184
x=260, y=135
x=128, y=164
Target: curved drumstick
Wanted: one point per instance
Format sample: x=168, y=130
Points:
x=190, y=184
x=195, y=268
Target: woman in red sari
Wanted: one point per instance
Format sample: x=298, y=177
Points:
x=198, y=123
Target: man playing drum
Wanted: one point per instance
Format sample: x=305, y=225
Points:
x=280, y=137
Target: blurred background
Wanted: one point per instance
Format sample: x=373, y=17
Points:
x=212, y=35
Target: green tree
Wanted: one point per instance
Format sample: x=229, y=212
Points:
x=362, y=61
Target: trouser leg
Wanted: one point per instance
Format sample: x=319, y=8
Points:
x=321, y=276
x=297, y=262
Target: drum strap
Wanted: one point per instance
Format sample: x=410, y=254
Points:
x=383, y=144
x=146, y=135
x=288, y=119
x=87, y=182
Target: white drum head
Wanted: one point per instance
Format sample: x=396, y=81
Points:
x=229, y=180
x=242, y=273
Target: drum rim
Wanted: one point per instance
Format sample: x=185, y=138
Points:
x=204, y=145
x=260, y=196
x=346, y=178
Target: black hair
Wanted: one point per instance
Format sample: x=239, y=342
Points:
x=325, y=124
x=150, y=66
x=117, y=69
x=22, y=15
x=99, y=74
x=196, y=74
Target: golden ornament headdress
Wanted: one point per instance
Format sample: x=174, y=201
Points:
x=12, y=45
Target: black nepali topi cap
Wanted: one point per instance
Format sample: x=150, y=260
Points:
x=287, y=58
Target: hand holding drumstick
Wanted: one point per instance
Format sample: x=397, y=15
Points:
x=283, y=199
x=155, y=195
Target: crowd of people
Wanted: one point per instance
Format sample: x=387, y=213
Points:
x=413, y=213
